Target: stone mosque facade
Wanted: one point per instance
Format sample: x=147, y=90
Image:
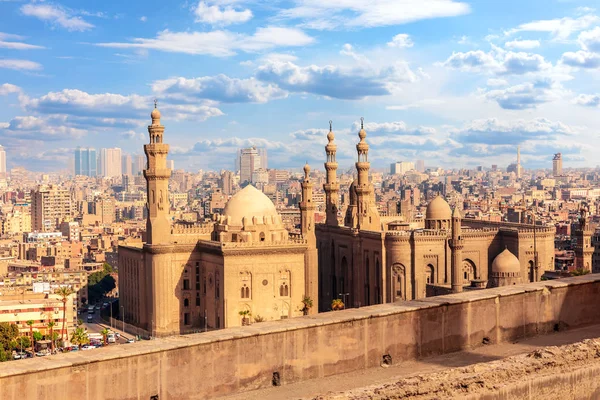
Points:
x=373, y=259
x=187, y=279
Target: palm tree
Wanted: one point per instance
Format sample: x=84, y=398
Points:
x=104, y=332
x=307, y=304
x=30, y=324
x=51, y=326
x=79, y=337
x=64, y=292
x=245, y=314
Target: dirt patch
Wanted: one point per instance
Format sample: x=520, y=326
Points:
x=481, y=378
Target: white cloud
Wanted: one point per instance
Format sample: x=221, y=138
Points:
x=20, y=65
x=214, y=15
x=41, y=128
x=590, y=40
x=560, y=29
x=588, y=100
x=8, y=88
x=497, y=61
x=522, y=44
x=581, y=59
x=401, y=40
x=220, y=88
x=394, y=128
x=417, y=104
x=14, y=42
x=143, y=18
x=219, y=43
x=327, y=15
x=496, y=82
x=56, y=15
x=526, y=95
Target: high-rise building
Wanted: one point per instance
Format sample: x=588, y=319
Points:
x=262, y=153
x=110, y=162
x=401, y=167
x=126, y=164
x=50, y=206
x=2, y=163
x=139, y=163
x=420, y=166
x=249, y=162
x=85, y=162
x=226, y=182
x=557, y=164
x=171, y=165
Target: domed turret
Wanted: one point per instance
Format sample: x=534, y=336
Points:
x=306, y=170
x=155, y=114
x=506, y=270
x=438, y=214
x=249, y=202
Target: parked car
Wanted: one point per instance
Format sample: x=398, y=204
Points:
x=42, y=354
x=130, y=341
x=16, y=356
x=97, y=307
x=90, y=317
x=88, y=347
x=104, y=305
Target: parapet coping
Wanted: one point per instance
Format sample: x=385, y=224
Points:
x=149, y=347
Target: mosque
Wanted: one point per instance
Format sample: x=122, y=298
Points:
x=245, y=263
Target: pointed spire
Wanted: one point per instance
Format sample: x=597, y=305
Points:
x=456, y=213
x=330, y=135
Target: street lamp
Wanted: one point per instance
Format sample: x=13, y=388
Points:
x=343, y=296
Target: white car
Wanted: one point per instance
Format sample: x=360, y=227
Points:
x=88, y=347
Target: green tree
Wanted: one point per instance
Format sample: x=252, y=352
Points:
x=5, y=355
x=580, y=272
x=64, y=292
x=106, y=267
x=307, y=304
x=8, y=335
x=104, y=332
x=51, y=325
x=37, y=336
x=80, y=337
x=30, y=324
x=23, y=342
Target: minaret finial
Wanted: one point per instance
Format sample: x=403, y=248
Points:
x=330, y=126
x=362, y=120
x=155, y=103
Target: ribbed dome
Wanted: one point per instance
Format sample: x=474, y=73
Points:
x=506, y=262
x=248, y=202
x=438, y=208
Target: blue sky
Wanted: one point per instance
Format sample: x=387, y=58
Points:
x=457, y=83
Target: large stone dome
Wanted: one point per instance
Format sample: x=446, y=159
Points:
x=438, y=208
x=248, y=202
x=506, y=262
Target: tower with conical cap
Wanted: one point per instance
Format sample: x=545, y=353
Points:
x=158, y=226
x=367, y=216
x=583, y=238
x=331, y=186
x=307, y=227
x=456, y=246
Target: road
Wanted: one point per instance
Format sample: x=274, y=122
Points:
x=97, y=325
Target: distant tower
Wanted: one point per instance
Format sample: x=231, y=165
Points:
x=583, y=247
x=456, y=246
x=519, y=162
x=158, y=226
x=331, y=187
x=367, y=216
x=307, y=223
x=557, y=164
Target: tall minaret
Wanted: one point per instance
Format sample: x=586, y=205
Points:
x=519, y=162
x=307, y=224
x=366, y=212
x=456, y=246
x=583, y=248
x=331, y=187
x=158, y=226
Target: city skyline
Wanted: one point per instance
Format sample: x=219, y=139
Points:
x=457, y=82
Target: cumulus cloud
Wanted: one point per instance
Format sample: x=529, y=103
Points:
x=588, y=100
x=581, y=59
x=526, y=95
x=401, y=40
x=56, y=15
x=41, y=128
x=522, y=44
x=560, y=28
x=590, y=40
x=8, y=88
x=350, y=14
x=497, y=61
x=218, y=43
x=392, y=129
x=20, y=65
x=335, y=82
x=15, y=42
x=220, y=88
x=215, y=15
x=493, y=131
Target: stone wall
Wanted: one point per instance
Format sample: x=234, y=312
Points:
x=239, y=359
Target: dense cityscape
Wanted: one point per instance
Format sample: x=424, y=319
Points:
x=299, y=199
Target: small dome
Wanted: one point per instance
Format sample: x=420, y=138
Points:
x=306, y=169
x=438, y=208
x=506, y=262
x=330, y=136
x=155, y=114
x=248, y=202
x=362, y=134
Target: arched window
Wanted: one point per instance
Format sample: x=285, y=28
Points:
x=398, y=282
x=186, y=302
x=262, y=236
x=531, y=271
x=429, y=274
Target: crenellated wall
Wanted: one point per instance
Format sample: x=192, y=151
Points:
x=240, y=359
